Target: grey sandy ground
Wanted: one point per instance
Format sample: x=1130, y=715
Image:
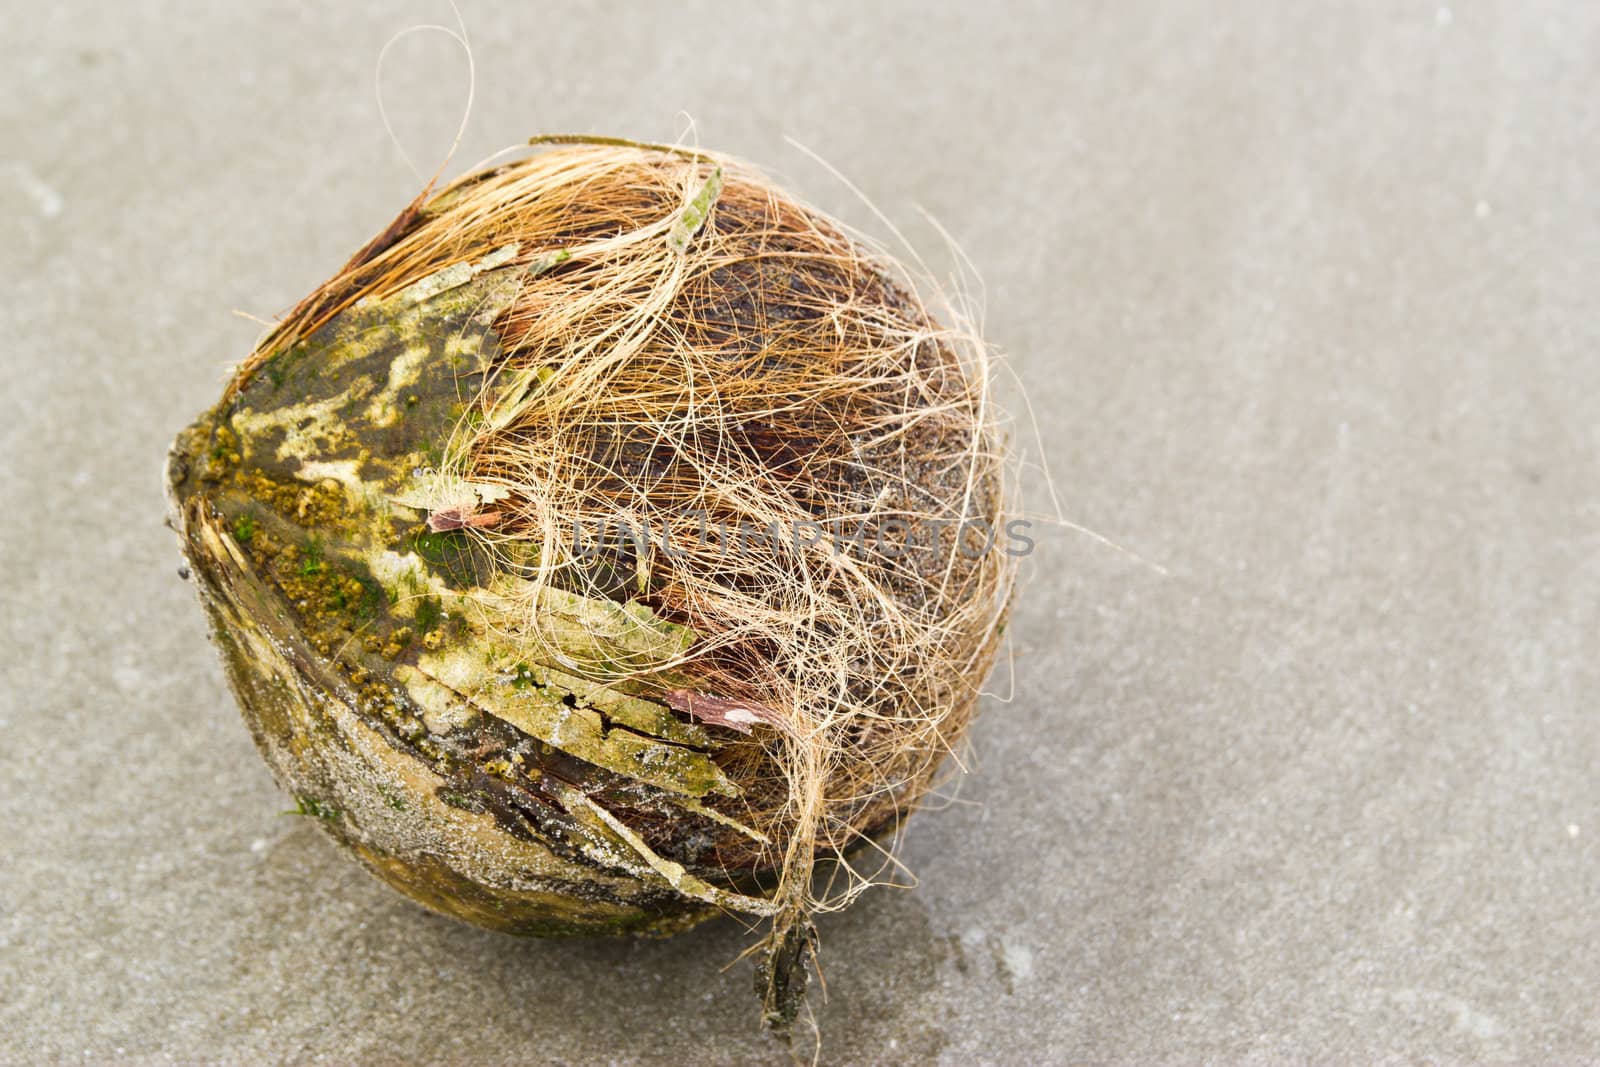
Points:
x=1304, y=302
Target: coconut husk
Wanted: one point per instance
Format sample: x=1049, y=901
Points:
x=395, y=516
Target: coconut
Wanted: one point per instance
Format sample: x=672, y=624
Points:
x=607, y=545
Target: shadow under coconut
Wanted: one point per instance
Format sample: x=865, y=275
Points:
x=359, y=959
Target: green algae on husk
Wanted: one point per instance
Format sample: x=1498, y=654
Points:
x=372, y=690
x=367, y=618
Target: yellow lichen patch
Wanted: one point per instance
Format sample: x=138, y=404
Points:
x=345, y=472
x=495, y=683
x=451, y=277
x=224, y=456
x=645, y=716
x=606, y=638
x=442, y=710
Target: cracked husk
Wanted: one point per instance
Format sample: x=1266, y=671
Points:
x=391, y=517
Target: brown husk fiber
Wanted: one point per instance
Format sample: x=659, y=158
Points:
x=692, y=347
